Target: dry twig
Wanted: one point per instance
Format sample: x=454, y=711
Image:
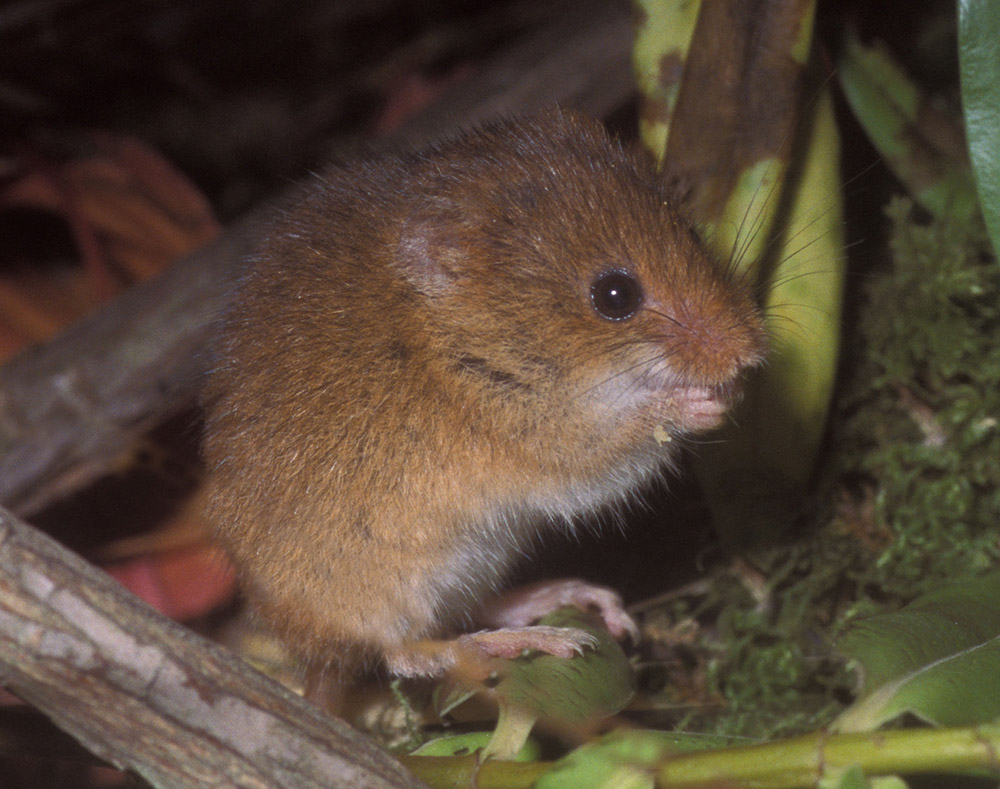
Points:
x=149, y=695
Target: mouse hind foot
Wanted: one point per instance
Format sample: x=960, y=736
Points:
x=527, y=604
x=511, y=631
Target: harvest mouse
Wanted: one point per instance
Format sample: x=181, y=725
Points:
x=436, y=357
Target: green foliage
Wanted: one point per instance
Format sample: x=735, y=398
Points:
x=646, y=759
x=760, y=166
x=938, y=659
x=897, y=116
x=772, y=687
x=574, y=692
x=912, y=488
x=619, y=761
x=470, y=742
x=593, y=685
x=921, y=435
x=979, y=56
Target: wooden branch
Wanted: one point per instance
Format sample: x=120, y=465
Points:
x=149, y=695
x=70, y=409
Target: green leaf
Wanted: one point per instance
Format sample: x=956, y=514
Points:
x=662, y=39
x=624, y=760
x=447, y=697
x=851, y=778
x=470, y=742
x=979, y=61
x=937, y=659
x=576, y=691
x=854, y=778
x=755, y=469
x=587, y=687
x=921, y=145
x=735, y=119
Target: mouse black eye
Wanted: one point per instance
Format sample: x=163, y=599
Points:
x=616, y=295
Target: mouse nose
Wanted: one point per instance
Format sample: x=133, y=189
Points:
x=714, y=348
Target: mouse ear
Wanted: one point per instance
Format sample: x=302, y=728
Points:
x=428, y=255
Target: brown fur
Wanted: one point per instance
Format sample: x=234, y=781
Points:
x=414, y=381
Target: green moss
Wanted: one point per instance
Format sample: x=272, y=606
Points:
x=918, y=435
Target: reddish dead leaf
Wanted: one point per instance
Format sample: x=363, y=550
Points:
x=175, y=568
x=47, y=187
x=34, y=307
x=130, y=213
x=180, y=584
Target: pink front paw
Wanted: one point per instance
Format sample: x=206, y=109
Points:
x=466, y=653
x=527, y=604
x=511, y=642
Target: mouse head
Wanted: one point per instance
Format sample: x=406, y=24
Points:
x=545, y=240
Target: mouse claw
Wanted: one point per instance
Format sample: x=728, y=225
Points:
x=527, y=604
x=512, y=642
